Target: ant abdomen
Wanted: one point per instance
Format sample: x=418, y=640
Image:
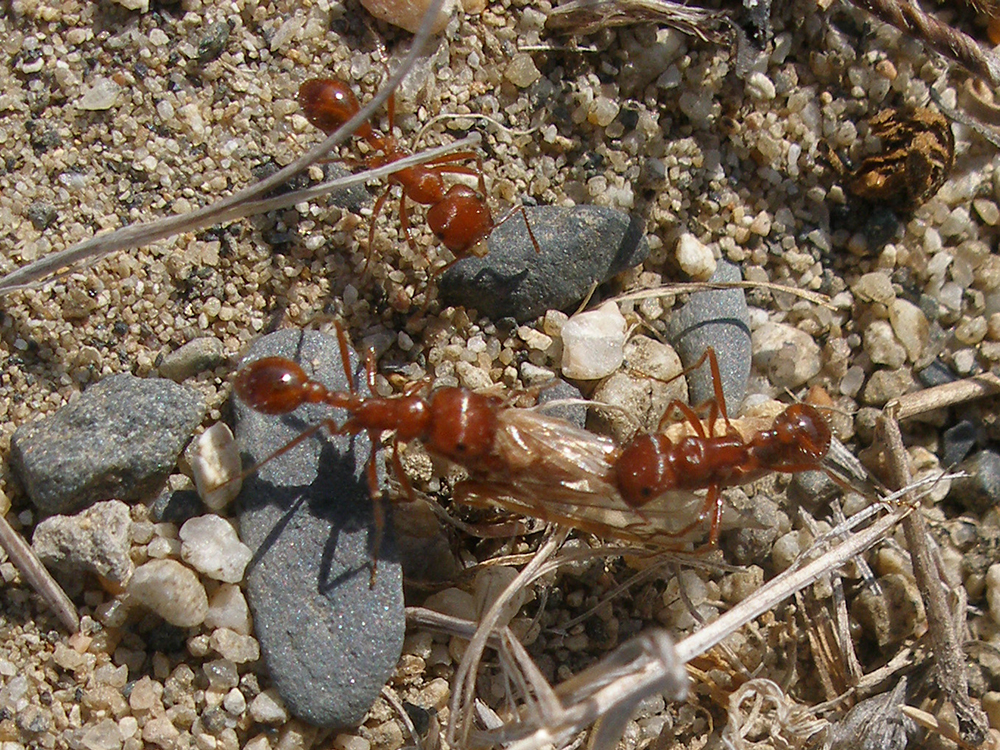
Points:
x=461, y=219
x=463, y=426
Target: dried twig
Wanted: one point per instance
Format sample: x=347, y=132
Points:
x=690, y=287
x=963, y=49
x=38, y=577
x=949, y=394
x=949, y=660
x=588, y=16
x=227, y=208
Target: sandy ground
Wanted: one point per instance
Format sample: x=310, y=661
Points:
x=642, y=118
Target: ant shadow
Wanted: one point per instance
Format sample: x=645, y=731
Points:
x=309, y=509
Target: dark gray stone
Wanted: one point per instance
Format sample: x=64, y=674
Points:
x=957, y=441
x=329, y=640
x=980, y=490
x=718, y=318
x=580, y=246
x=574, y=413
x=119, y=439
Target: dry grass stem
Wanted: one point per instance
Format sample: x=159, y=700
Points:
x=690, y=287
x=464, y=684
x=949, y=660
x=226, y=208
x=949, y=394
x=588, y=16
x=953, y=44
x=38, y=577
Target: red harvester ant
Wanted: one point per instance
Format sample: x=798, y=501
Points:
x=458, y=216
x=652, y=464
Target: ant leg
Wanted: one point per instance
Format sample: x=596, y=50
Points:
x=345, y=356
x=689, y=414
x=714, y=502
x=404, y=222
x=371, y=229
x=527, y=225
x=304, y=435
x=397, y=466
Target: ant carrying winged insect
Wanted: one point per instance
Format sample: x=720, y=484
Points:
x=542, y=466
x=458, y=215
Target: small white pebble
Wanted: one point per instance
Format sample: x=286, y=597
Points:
x=268, y=708
x=695, y=258
x=522, y=71
x=235, y=702
x=209, y=544
x=216, y=466
x=594, y=343
x=102, y=95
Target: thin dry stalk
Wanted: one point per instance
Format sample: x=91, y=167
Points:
x=227, y=208
x=949, y=660
x=949, y=394
x=38, y=577
x=464, y=685
x=690, y=287
x=952, y=43
x=649, y=664
x=588, y=16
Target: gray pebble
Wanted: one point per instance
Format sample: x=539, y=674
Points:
x=980, y=490
x=198, y=355
x=761, y=521
x=42, y=215
x=580, y=246
x=811, y=489
x=720, y=319
x=176, y=506
x=119, y=439
x=97, y=540
x=329, y=640
x=957, y=441
x=560, y=389
x=885, y=385
x=936, y=373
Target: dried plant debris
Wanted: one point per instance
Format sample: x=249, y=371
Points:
x=939, y=36
x=588, y=16
x=876, y=723
x=917, y=154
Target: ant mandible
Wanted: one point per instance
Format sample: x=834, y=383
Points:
x=458, y=216
x=652, y=464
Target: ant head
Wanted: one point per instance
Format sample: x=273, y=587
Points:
x=641, y=475
x=328, y=103
x=802, y=426
x=275, y=385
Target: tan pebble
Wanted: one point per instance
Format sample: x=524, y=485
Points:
x=522, y=71
x=408, y=14
x=171, y=590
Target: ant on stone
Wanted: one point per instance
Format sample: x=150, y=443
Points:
x=458, y=215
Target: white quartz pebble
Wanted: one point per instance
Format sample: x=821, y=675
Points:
x=216, y=465
x=695, y=258
x=209, y=545
x=593, y=343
